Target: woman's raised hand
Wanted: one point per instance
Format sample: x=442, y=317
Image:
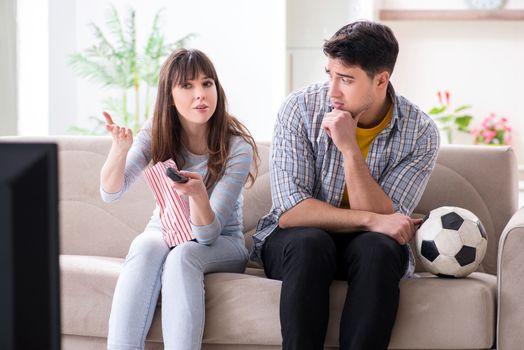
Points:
x=122, y=137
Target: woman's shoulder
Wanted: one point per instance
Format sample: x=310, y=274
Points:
x=238, y=145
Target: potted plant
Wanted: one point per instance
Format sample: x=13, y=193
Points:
x=448, y=119
x=493, y=131
x=114, y=61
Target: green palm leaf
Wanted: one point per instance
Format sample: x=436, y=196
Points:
x=115, y=62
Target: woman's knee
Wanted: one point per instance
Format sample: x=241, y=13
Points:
x=149, y=246
x=186, y=254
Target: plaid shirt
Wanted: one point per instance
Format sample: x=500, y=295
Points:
x=305, y=163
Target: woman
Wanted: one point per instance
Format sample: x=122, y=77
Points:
x=215, y=151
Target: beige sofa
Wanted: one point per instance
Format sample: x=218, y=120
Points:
x=478, y=312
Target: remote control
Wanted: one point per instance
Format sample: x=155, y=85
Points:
x=175, y=175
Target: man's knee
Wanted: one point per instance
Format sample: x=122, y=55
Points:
x=308, y=241
x=375, y=247
x=310, y=247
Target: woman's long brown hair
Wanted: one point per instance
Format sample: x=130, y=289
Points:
x=166, y=139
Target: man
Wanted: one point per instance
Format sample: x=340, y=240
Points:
x=350, y=160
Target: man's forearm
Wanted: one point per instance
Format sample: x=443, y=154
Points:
x=364, y=192
x=315, y=213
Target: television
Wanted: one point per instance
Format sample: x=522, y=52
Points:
x=29, y=272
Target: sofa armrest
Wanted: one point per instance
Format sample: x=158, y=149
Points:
x=511, y=284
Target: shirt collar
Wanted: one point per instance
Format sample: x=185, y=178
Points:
x=395, y=119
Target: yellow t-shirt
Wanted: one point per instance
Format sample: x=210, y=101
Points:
x=364, y=139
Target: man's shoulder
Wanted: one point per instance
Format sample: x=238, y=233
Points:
x=317, y=91
x=415, y=122
x=410, y=113
x=306, y=103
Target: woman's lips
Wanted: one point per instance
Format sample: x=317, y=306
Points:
x=201, y=108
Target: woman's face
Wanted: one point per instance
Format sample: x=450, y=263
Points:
x=195, y=100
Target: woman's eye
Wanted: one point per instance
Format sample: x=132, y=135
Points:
x=208, y=83
x=186, y=86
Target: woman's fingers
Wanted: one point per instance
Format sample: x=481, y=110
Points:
x=115, y=129
x=191, y=175
x=109, y=120
x=110, y=124
x=119, y=133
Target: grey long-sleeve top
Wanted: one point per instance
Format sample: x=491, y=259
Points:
x=225, y=197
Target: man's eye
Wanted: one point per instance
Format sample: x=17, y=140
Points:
x=346, y=81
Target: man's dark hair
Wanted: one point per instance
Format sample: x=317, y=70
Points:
x=371, y=46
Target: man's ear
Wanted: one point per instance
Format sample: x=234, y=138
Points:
x=382, y=79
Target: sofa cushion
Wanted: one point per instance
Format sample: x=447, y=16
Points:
x=243, y=308
x=440, y=313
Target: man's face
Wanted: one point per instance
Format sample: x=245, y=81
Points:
x=350, y=88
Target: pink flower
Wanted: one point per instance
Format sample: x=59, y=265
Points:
x=490, y=134
x=493, y=131
x=439, y=97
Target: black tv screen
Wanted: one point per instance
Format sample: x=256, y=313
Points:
x=29, y=272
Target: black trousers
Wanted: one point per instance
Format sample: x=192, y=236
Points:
x=306, y=260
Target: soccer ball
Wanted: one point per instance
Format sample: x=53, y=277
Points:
x=451, y=242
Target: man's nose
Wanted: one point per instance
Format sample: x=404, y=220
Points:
x=333, y=91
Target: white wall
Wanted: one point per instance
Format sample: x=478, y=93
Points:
x=62, y=82
x=8, y=67
x=260, y=58
x=479, y=62
x=245, y=39
x=309, y=24
x=33, y=92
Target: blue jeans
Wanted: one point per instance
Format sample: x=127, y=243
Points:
x=151, y=267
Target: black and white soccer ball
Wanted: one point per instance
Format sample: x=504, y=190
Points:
x=451, y=242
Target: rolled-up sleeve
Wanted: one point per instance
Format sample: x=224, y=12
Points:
x=406, y=181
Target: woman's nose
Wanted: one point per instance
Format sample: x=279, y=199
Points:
x=199, y=93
